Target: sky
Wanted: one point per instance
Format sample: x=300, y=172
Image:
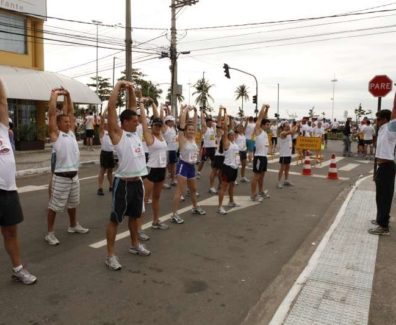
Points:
x=261, y=37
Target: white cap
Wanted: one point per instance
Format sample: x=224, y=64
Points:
x=9, y=120
x=169, y=118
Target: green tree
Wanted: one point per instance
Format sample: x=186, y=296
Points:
x=242, y=93
x=311, y=112
x=359, y=112
x=202, y=88
x=104, y=87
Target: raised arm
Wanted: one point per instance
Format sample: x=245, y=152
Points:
x=3, y=105
x=147, y=135
x=52, y=125
x=263, y=114
x=393, y=116
x=132, y=102
x=115, y=132
x=195, y=119
x=155, y=108
x=226, y=142
x=70, y=109
x=101, y=125
x=182, y=126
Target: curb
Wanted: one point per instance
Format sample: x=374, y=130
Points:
x=47, y=170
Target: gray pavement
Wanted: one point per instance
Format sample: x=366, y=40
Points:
x=226, y=270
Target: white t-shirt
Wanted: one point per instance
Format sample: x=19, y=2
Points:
x=249, y=130
x=210, y=138
x=189, y=153
x=67, y=153
x=89, y=122
x=335, y=125
x=170, y=136
x=368, y=132
x=106, y=144
x=318, y=132
x=274, y=131
x=262, y=144
x=285, y=146
x=157, y=156
x=131, y=158
x=386, y=141
x=139, y=131
x=231, y=156
x=7, y=161
x=241, y=142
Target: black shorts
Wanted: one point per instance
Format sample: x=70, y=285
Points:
x=53, y=162
x=127, y=199
x=10, y=208
x=259, y=164
x=242, y=155
x=360, y=142
x=217, y=162
x=208, y=153
x=229, y=174
x=285, y=160
x=107, y=159
x=274, y=141
x=172, y=157
x=146, y=154
x=89, y=133
x=156, y=175
x=368, y=142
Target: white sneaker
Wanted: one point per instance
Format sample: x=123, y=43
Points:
x=24, y=276
x=235, y=183
x=51, y=239
x=256, y=198
x=221, y=210
x=265, y=194
x=198, y=176
x=198, y=210
x=288, y=183
x=244, y=180
x=113, y=263
x=176, y=219
x=212, y=190
x=280, y=185
x=149, y=201
x=233, y=205
x=77, y=229
x=143, y=236
x=182, y=198
x=139, y=250
x=167, y=186
x=160, y=226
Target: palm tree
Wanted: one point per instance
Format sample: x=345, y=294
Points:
x=242, y=92
x=202, y=88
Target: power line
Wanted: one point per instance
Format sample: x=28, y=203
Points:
x=290, y=20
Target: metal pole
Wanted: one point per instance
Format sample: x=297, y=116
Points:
x=332, y=104
x=128, y=41
x=277, y=104
x=173, y=56
x=97, y=57
x=114, y=58
x=376, y=137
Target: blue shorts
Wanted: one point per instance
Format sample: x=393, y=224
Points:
x=185, y=169
x=250, y=145
x=172, y=157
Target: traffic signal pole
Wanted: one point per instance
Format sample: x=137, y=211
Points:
x=252, y=75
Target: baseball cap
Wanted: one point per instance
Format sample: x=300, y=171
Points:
x=169, y=118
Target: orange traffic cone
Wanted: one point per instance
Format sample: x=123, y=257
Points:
x=333, y=173
x=307, y=166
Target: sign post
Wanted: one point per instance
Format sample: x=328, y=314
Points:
x=379, y=86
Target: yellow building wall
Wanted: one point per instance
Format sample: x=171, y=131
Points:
x=34, y=58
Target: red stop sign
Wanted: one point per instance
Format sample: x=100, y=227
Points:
x=380, y=86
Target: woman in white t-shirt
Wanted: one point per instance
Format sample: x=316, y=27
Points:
x=285, y=152
x=157, y=165
x=368, y=138
x=240, y=140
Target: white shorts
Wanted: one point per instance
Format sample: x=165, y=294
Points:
x=65, y=193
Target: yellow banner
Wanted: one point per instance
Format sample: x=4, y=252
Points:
x=309, y=143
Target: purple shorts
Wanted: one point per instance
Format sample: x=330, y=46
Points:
x=185, y=169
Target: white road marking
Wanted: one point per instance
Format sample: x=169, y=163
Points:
x=299, y=174
x=349, y=167
x=365, y=161
x=327, y=162
x=32, y=188
x=244, y=202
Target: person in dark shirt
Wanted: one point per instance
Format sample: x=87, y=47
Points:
x=347, y=138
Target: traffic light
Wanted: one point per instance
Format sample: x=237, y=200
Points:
x=226, y=71
x=277, y=115
x=254, y=99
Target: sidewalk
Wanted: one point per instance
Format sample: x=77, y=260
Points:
x=39, y=161
x=338, y=285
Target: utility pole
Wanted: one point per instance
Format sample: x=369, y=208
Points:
x=277, y=105
x=97, y=23
x=128, y=44
x=173, y=50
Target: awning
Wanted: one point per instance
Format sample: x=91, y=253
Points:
x=32, y=84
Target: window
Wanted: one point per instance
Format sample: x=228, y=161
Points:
x=13, y=33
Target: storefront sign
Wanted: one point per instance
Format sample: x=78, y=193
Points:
x=30, y=8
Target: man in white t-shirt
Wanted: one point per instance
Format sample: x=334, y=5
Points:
x=250, y=143
x=10, y=208
x=89, y=123
x=65, y=188
x=384, y=175
x=368, y=138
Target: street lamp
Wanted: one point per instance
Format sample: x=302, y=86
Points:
x=332, y=104
x=97, y=23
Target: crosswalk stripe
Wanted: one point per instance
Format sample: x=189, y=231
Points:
x=348, y=167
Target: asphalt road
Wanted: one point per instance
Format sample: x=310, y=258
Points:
x=211, y=270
